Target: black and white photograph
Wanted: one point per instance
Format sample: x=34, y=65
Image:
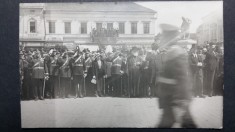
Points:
x=136, y=64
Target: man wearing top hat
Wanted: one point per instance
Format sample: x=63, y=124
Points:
x=175, y=89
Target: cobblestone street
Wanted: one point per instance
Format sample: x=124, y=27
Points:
x=113, y=112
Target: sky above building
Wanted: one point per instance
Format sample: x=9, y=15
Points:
x=171, y=12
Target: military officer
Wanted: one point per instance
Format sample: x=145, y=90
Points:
x=53, y=70
x=116, y=74
x=78, y=72
x=175, y=89
x=65, y=74
x=38, y=76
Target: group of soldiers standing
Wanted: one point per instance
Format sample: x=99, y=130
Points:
x=119, y=73
x=61, y=74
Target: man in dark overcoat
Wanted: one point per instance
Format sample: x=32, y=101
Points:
x=133, y=64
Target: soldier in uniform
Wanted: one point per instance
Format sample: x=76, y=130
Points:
x=53, y=70
x=78, y=72
x=116, y=74
x=175, y=89
x=134, y=63
x=65, y=75
x=38, y=76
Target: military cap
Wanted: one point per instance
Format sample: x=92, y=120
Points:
x=169, y=28
x=70, y=53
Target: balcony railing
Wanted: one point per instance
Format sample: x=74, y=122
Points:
x=104, y=36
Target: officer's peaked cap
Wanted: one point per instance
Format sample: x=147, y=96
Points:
x=168, y=27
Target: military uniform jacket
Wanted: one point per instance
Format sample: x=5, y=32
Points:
x=175, y=80
x=52, y=65
x=88, y=63
x=116, y=65
x=38, y=69
x=78, y=65
x=65, y=67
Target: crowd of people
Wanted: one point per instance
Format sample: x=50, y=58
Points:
x=118, y=73
x=59, y=73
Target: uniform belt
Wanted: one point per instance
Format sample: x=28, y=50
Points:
x=39, y=68
x=78, y=65
x=116, y=65
x=167, y=80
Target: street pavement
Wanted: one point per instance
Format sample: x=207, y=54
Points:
x=112, y=112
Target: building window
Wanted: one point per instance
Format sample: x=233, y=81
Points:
x=110, y=26
x=98, y=26
x=134, y=28
x=83, y=28
x=146, y=28
x=32, y=26
x=51, y=27
x=121, y=28
x=67, y=27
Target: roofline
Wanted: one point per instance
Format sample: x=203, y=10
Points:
x=100, y=11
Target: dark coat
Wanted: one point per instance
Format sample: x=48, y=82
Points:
x=193, y=61
x=211, y=61
x=51, y=65
x=99, y=72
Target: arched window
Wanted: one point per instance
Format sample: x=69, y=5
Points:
x=32, y=25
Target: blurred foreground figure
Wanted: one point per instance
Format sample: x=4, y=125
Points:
x=175, y=91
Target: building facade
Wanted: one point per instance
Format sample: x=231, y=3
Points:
x=92, y=23
x=211, y=30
